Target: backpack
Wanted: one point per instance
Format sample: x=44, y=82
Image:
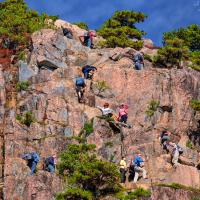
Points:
x=67, y=33
x=35, y=157
x=138, y=57
x=84, y=68
x=80, y=81
x=180, y=149
x=49, y=161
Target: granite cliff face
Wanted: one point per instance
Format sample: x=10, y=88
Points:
x=51, y=68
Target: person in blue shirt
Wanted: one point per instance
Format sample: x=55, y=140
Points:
x=139, y=167
x=139, y=60
x=88, y=71
x=32, y=161
x=80, y=88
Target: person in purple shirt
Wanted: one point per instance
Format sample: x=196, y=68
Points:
x=139, y=167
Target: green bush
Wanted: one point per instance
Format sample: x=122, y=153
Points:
x=195, y=59
x=27, y=118
x=73, y=194
x=190, y=36
x=195, y=104
x=189, y=144
x=148, y=57
x=152, y=108
x=23, y=85
x=81, y=25
x=101, y=86
x=120, y=29
x=81, y=168
x=179, y=186
x=87, y=129
x=18, y=21
x=138, y=194
x=172, y=54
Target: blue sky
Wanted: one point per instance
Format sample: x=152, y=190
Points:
x=163, y=15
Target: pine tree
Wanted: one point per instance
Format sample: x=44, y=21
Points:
x=120, y=30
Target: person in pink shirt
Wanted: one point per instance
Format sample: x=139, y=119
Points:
x=123, y=113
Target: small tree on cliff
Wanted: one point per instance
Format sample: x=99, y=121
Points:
x=87, y=176
x=82, y=25
x=172, y=54
x=190, y=36
x=17, y=21
x=120, y=30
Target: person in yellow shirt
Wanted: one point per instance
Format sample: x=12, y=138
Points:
x=123, y=169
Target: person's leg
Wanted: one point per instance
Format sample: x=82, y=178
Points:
x=136, y=177
x=175, y=158
x=144, y=173
x=51, y=168
x=33, y=167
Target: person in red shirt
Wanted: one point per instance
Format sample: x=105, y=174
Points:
x=123, y=113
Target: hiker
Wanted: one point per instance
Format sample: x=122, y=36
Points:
x=88, y=71
x=92, y=35
x=176, y=151
x=139, y=60
x=164, y=140
x=123, y=169
x=139, y=167
x=80, y=88
x=123, y=113
x=88, y=39
x=67, y=32
x=32, y=161
x=106, y=111
x=49, y=164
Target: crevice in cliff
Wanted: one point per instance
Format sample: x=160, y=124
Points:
x=10, y=104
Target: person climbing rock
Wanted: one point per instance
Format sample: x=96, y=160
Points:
x=88, y=39
x=123, y=169
x=123, y=113
x=88, y=71
x=49, y=164
x=92, y=35
x=67, y=32
x=139, y=167
x=32, y=161
x=175, y=153
x=80, y=88
x=139, y=60
x=164, y=140
x=106, y=111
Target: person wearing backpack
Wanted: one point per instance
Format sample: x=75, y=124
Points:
x=139, y=60
x=32, y=161
x=49, y=164
x=176, y=151
x=164, y=139
x=67, y=32
x=80, y=88
x=139, y=167
x=123, y=169
x=88, y=71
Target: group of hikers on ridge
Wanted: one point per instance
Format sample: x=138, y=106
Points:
x=34, y=158
x=137, y=164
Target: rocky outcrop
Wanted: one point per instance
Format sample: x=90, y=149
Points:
x=51, y=68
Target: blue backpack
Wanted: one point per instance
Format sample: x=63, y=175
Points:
x=80, y=81
x=35, y=157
